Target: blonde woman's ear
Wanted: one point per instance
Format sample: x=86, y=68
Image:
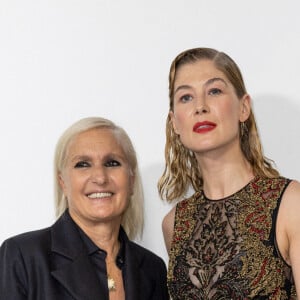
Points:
x=61, y=181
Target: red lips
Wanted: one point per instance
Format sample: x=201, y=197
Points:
x=205, y=126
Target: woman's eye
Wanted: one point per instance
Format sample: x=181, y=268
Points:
x=214, y=92
x=112, y=163
x=82, y=164
x=185, y=98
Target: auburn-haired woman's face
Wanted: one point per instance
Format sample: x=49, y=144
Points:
x=207, y=111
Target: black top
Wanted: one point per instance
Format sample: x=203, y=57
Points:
x=59, y=263
x=98, y=255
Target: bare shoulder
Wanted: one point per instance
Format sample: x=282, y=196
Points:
x=168, y=227
x=289, y=212
x=290, y=204
x=288, y=222
x=291, y=196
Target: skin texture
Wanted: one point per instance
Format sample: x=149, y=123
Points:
x=203, y=93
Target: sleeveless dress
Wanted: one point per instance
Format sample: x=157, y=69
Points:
x=226, y=249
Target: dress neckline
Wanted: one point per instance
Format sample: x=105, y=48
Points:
x=231, y=195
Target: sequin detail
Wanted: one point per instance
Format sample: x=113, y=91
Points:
x=225, y=249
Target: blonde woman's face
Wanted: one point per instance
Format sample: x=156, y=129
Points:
x=207, y=111
x=96, y=179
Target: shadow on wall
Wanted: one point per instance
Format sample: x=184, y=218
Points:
x=155, y=210
x=278, y=120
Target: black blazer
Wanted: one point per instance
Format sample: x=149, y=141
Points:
x=53, y=264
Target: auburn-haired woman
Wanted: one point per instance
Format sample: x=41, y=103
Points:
x=238, y=235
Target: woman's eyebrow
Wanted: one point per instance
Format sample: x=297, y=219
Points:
x=182, y=87
x=79, y=157
x=208, y=82
x=212, y=80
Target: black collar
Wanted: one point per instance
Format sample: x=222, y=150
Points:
x=93, y=248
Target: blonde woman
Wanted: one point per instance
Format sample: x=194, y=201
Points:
x=88, y=253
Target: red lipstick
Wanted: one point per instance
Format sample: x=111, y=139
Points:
x=203, y=127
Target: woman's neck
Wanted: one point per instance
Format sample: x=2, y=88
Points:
x=224, y=175
x=105, y=234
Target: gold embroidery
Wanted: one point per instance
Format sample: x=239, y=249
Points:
x=185, y=223
x=227, y=248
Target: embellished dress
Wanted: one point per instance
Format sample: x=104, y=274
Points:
x=226, y=249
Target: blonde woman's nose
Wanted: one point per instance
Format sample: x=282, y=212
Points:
x=99, y=175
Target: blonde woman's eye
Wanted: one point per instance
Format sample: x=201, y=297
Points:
x=82, y=164
x=112, y=163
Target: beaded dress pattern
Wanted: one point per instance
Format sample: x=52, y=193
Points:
x=226, y=249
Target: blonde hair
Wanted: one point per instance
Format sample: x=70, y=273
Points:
x=133, y=218
x=181, y=168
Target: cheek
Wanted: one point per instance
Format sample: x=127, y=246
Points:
x=180, y=118
x=125, y=183
x=228, y=112
x=67, y=188
x=71, y=184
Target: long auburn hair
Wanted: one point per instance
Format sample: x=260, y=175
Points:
x=181, y=167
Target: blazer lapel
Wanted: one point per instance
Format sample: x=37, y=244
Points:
x=132, y=274
x=139, y=275
x=80, y=281
x=71, y=265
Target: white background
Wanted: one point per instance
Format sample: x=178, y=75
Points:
x=61, y=60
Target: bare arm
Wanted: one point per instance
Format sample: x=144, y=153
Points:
x=289, y=229
x=168, y=228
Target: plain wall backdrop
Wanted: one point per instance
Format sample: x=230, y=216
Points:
x=62, y=60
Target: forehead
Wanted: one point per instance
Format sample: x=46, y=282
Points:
x=101, y=140
x=200, y=70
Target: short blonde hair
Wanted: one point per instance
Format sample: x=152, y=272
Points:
x=133, y=218
x=181, y=169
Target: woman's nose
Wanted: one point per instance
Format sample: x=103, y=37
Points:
x=201, y=107
x=99, y=176
x=202, y=110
